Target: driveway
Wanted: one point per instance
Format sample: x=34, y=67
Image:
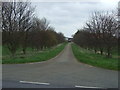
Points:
x=63, y=71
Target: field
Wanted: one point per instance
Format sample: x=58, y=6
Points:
x=31, y=55
x=89, y=57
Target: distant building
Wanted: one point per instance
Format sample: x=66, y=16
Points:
x=68, y=39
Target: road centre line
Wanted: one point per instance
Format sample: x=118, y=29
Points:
x=86, y=87
x=34, y=82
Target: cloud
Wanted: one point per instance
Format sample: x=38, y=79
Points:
x=67, y=17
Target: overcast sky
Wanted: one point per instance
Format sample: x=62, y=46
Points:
x=67, y=17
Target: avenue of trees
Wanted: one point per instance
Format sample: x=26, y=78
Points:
x=99, y=34
x=21, y=29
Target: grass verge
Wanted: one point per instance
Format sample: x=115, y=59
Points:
x=36, y=57
x=88, y=57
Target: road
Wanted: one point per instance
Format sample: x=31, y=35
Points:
x=63, y=71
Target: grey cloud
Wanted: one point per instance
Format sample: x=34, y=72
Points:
x=68, y=17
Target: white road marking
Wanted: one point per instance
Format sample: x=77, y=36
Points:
x=86, y=87
x=30, y=63
x=34, y=63
x=34, y=82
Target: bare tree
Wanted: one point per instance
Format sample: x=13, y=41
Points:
x=16, y=21
x=101, y=32
x=20, y=29
x=25, y=22
x=10, y=26
x=95, y=28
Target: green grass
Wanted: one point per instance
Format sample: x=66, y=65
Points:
x=35, y=56
x=88, y=57
x=6, y=52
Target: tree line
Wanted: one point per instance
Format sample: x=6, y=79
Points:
x=99, y=34
x=21, y=29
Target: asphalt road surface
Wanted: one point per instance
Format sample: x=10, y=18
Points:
x=63, y=71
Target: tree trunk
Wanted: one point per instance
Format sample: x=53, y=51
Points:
x=12, y=54
x=24, y=50
x=108, y=53
x=95, y=50
x=101, y=51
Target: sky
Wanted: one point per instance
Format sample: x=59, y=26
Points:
x=67, y=16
